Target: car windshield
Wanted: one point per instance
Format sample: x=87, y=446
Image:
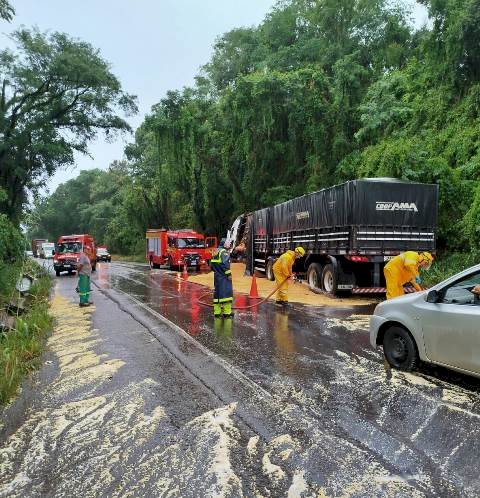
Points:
x=69, y=247
x=102, y=251
x=190, y=242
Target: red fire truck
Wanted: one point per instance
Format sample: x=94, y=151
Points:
x=177, y=248
x=68, y=249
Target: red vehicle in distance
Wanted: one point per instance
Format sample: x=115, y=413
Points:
x=178, y=248
x=68, y=249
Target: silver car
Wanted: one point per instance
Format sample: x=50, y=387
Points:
x=441, y=326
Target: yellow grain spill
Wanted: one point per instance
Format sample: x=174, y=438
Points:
x=297, y=293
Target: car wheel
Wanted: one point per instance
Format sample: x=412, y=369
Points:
x=400, y=349
x=57, y=273
x=94, y=267
x=270, y=274
x=329, y=279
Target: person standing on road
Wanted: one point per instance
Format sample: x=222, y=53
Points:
x=282, y=269
x=84, y=270
x=403, y=269
x=223, y=292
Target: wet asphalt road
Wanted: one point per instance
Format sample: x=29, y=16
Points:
x=306, y=407
x=423, y=427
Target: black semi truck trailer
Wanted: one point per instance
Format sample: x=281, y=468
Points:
x=348, y=231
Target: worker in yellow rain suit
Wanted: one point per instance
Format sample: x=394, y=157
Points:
x=405, y=268
x=282, y=269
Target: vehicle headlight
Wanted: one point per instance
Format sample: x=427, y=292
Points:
x=55, y=260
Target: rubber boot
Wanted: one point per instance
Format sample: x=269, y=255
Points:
x=227, y=310
x=217, y=310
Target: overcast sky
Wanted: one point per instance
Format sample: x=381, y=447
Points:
x=153, y=45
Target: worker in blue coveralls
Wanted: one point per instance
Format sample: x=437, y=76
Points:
x=223, y=292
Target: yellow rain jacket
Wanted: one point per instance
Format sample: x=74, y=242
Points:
x=282, y=269
x=400, y=270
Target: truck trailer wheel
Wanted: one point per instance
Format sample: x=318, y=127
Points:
x=314, y=277
x=329, y=279
x=269, y=272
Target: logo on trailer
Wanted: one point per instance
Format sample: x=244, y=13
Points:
x=396, y=206
x=303, y=215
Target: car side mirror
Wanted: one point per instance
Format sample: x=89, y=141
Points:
x=433, y=296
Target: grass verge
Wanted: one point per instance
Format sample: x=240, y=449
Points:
x=20, y=349
x=448, y=264
x=133, y=258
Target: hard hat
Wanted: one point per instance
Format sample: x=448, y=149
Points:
x=426, y=259
x=300, y=250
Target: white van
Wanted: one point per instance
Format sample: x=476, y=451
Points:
x=47, y=250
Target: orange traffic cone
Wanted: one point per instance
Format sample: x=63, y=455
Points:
x=185, y=272
x=253, y=289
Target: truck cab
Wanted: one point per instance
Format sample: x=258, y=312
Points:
x=68, y=249
x=36, y=245
x=178, y=248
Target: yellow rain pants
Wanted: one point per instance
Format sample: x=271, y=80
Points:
x=282, y=269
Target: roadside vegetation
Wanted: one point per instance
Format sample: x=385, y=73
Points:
x=20, y=346
x=133, y=258
x=448, y=264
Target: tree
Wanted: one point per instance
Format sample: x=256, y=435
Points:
x=6, y=10
x=57, y=93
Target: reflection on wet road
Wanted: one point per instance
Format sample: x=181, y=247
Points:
x=422, y=428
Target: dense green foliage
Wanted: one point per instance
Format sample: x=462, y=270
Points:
x=56, y=94
x=321, y=92
x=11, y=255
x=20, y=349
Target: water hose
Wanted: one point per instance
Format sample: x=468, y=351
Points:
x=243, y=307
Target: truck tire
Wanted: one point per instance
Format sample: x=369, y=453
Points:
x=57, y=273
x=329, y=279
x=314, y=278
x=400, y=349
x=269, y=272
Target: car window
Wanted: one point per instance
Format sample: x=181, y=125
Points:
x=460, y=292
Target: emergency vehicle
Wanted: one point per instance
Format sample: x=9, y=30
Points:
x=68, y=249
x=178, y=248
